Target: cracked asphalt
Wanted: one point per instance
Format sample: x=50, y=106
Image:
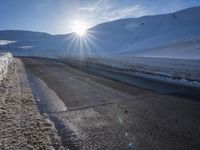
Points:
x=95, y=113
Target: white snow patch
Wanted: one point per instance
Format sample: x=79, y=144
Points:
x=5, y=60
x=5, y=42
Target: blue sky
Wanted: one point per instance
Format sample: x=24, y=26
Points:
x=57, y=16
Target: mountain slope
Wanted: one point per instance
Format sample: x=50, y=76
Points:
x=132, y=36
x=20, y=35
x=170, y=35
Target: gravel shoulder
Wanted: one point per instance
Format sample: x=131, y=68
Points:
x=21, y=125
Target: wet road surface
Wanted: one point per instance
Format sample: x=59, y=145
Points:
x=91, y=112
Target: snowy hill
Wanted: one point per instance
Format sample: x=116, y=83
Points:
x=174, y=35
x=20, y=35
x=153, y=35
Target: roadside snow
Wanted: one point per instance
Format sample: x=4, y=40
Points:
x=5, y=60
x=179, y=71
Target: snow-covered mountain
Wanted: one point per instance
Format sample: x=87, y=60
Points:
x=20, y=35
x=174, y=35
x=170, y=35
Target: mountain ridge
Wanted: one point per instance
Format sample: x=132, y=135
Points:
x=146, y=36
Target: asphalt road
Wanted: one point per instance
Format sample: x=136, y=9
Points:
x=92, y=112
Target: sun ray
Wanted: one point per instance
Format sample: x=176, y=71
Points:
x=80, y=27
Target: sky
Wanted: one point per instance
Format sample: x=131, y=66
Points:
x=60, y=16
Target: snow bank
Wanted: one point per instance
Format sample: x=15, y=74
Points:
x=5, y=60
x=181, y=71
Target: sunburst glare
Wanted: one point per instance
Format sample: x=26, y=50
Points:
x=80, y=27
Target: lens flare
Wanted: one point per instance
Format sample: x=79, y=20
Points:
x=80, y=27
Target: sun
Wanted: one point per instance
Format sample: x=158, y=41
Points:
x=80, y=27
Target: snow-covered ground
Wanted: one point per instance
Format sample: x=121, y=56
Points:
x=167, y=44
x=5, y=60
x=174, y=35
x=179, y=71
